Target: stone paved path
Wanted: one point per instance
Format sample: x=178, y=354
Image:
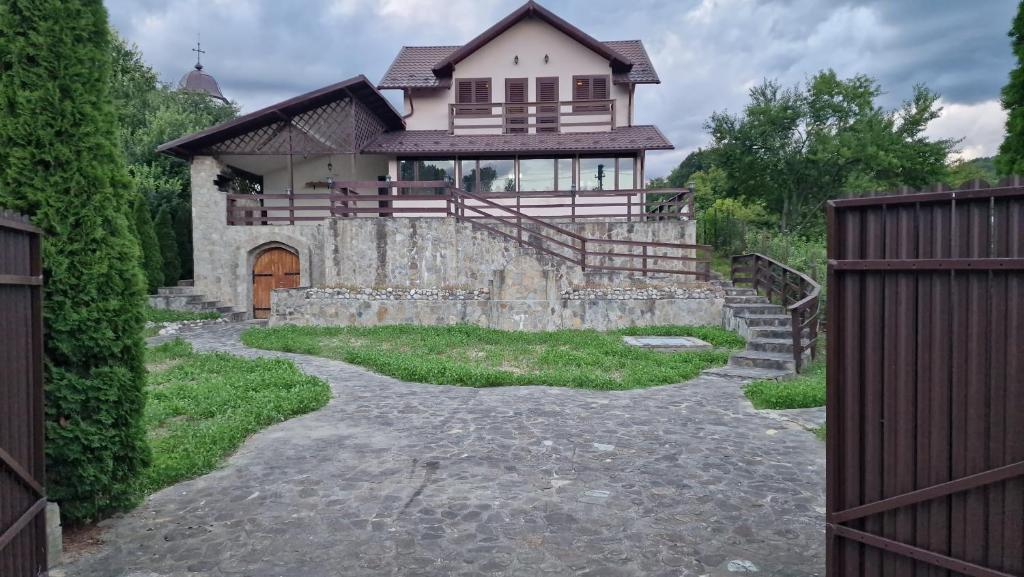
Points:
x=394, y=478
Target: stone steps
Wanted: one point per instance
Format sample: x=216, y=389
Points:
x=184, y=298
x=748, y=373
x=746, y=299
x=771, y=345
x=767, y=320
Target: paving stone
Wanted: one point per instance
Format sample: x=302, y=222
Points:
x=377, y=483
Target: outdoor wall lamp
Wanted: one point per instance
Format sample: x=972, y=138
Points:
x=546, y=59
x=516, y=59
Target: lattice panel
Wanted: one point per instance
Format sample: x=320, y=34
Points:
x=367, y=126
x=323, y=130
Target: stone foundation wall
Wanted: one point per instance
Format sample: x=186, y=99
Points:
x=576, y=309
x=367, y=271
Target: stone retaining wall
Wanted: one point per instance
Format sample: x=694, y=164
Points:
x=575, y=309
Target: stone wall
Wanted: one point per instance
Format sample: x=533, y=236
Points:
x=365, y=271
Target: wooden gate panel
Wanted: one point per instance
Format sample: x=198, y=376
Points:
x=926, y=387
x=274, y=268
x=22, y=462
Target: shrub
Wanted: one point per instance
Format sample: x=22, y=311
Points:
x=152, y=261
x=60, y=164
x=168, y=246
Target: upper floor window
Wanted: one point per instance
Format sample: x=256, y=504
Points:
x=473, y=91
x=591, y=88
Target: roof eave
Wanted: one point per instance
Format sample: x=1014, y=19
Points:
x=618, y=62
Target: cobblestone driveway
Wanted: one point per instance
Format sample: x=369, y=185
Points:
x=394, y=478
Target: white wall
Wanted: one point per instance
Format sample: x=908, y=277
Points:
x=531, y=40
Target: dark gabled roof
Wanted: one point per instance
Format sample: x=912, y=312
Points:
x=531, y=9
x=359, y=87
x=413, y=66
x=626, y=138
x=643, y=70
x=431, y=66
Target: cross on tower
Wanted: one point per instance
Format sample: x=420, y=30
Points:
x=199, y=53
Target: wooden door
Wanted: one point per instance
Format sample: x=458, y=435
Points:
x=274, y=268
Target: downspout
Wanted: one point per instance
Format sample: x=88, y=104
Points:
x=412, y=108
x=632, y=88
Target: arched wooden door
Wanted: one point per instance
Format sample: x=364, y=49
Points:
x=274, y=268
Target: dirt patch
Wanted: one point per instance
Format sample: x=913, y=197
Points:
x=80, y=541
x=163, y=365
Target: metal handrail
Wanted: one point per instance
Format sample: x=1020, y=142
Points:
x=807, y=301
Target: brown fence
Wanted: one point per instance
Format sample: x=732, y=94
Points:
x=926, y=384
x=22, y=500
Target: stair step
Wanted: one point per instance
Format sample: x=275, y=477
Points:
x=236, y=316
x=756, y=309
x=768, y=320
x=785, y=332
x=745, y=299
x=173, y=290
x=781, y=345
x=748, y=373
x=739, y=291
x=763, y=360
x=225, y=309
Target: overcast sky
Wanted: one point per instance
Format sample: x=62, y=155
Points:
x=707, y=52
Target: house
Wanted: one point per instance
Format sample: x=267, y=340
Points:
x=524, y=138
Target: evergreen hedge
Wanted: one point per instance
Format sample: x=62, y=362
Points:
x=168, y=246
x=61, y=164
x=152, y=261
x=183, y=236
x=1010, y=159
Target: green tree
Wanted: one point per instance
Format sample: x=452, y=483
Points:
x=795, y=148
x=697, y=161
x=168, y=246
x=60, y=164
x=183, y=236
x=1010, y=159
x=152, y=261
x=961, y=171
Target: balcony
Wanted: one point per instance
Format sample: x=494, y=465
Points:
x=531, y=117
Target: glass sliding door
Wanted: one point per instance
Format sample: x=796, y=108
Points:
x=494, y=175
x=566, y=183
x=536, y=174
x=597, y=174
x=627, y=174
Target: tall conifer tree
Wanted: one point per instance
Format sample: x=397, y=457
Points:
x=60, y=163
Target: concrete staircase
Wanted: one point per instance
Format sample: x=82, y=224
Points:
x=184, y=298
x=768, y=330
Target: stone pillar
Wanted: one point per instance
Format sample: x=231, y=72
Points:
x=54, y=536
x=209, y=223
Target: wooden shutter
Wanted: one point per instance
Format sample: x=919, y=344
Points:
x=515, y=116
x=473, y=91
x=580, y=88
x=591, y=88
x=547, y=116
x=599, y=88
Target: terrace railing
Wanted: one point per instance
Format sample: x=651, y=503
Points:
x=789, y=288
x=430, y=198
x=531, y=117
x=528, y=218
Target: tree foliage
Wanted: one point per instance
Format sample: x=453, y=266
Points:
x=794, y=148
x=150, y=114
x=1010, y=159
x=152, y=261
x=60, y=164
x=168, y=246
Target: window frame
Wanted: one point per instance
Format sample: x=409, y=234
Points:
x=589, y=78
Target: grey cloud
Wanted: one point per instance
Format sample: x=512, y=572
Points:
x=262, y=51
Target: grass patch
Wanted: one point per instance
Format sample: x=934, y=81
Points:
x=201, y=406
x=477, y=357
x=804, y=391
x=820, y=433
x=169, y=316
x=722, y=265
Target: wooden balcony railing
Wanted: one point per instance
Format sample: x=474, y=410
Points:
x=432, y=198
x=532, y=117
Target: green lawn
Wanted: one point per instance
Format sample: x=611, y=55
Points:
x=201, y=406
x=801, y=392
x=169, y=316
x=477, y=357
